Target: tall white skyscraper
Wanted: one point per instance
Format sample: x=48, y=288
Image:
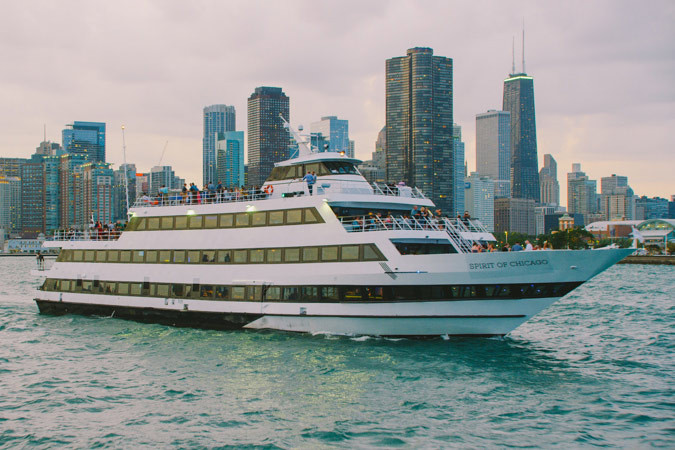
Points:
x=479, y=198
x=493, y=149
x=336, y=132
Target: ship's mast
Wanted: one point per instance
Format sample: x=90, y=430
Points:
x=304, y=145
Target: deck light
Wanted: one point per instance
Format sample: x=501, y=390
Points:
x=190, y=212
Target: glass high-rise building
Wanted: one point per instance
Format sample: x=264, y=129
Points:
x=459, y=167
x=336, y=132
x=217, y=119
x=419, y=124
x=519, y=101
x=86, y=139
x=268, y=139
x=493, y=149
x=581, y=193
x=230, y=158
x=32, y=199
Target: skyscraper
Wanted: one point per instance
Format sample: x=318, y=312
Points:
x=217, y=119
x=617, y=199
x=335, y=131
x=97, y=192
x=10, y=205
x=519, y=101
x=32, y=199
x=268, y=139
x=548, y=182
x=581, y=194
x=480, y=199
x=230, y=158
x=85, y=138
x=419, y=124
x=493, y=149
x=458, y=164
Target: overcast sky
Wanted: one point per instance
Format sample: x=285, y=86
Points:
x=604, y=72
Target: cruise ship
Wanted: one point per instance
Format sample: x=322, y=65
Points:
x=343, y=256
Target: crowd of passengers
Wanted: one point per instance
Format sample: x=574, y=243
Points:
x=421, y=217
x=210, y=193
x=96, y=230
x=480, y=247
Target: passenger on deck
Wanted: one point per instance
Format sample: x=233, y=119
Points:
x=517, y=247
x=309, y=179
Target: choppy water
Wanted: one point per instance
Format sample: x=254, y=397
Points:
x=595, y=369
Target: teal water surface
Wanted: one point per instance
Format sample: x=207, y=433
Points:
x=595, y=369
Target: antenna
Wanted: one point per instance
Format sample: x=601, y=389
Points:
x=513, y=55
x=303, y=147
x=126, y=178
x=524, y=45
x=162, y=157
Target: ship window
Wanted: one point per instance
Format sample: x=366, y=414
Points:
x=210, y=221
x=162, y=290
x=273, y=255
x=225, y=220
x=100, y=255
x=310, y=293
x=208, y=256
x=67, y=285
x=179, y=256
x=311, y=215
x=242, y=219
x=291, y=293
x=166, y=223
x=371, y=253
x=86, y=286
x=257, y=255
x=258, y=218
x=151, y=256
x=206, y=291
x=49, y=284
x=133, y=223
x=276, y=218
x=294, y=216
x=66, y=255
x=142, y=223
x=254, y=293
x=330, y=293
x=177, y=290
x=195, y=222
x=404, y=293
x=146, y=288
x=240, y=256
x=125, y=256
x=153, y=223
x=273, y=293
x=78, y=255
x=222, y=292
x=351, y=293
x=89, y=255
x=113, y=255
x=238, y=292
x=224, y=256
x=62, y=256
x=123, y=288
x=137, y=256
x=193, y=256
x=181, y=222
x=329, y=253
x=291, y=255
x=504, y=291
x=312, y=167
x=350, y=252
x=165, y=256
x=310, y=254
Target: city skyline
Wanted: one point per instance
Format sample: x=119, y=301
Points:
x=579, y=54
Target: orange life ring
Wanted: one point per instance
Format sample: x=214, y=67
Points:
x=268, y=189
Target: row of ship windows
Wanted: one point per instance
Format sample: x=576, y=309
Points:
x=309, y=293
x=235, y=220
x=311, y=254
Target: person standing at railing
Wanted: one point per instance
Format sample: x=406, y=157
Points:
x=309, y=179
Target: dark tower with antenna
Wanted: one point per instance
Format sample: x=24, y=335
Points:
x=519, y=101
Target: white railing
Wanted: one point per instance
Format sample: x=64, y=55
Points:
x=176, y=197
x=93, y=235
x=453, y=227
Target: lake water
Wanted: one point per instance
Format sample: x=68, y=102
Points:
x=595, y=369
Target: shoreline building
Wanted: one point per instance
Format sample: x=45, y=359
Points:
x=10, y=205
x=548, y=182
x=217, y=119
x=617, y=199
x=335, y=133
x=459, y=167
x=230, y=158
x=581, y=195
x=493, y=149
x=515, y=215
x=480, y=199
x=268, y=139
x=419, y=120
x=86, y=139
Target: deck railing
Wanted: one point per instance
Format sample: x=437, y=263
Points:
x=176, y=197
x=88, y=235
